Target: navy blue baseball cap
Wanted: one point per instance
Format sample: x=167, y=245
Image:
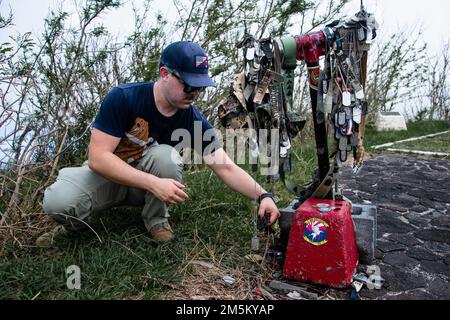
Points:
x=190, y=61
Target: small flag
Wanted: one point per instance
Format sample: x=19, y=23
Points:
x=201, y=62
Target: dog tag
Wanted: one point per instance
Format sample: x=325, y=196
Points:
x=369, y=35
x=325, y=86
x=258, y=51
x=328, y=103
x=349, y=143
x=256, y=65
x=341, y=118
x=348, y=113
x=349, y=129
x=359, y=94
x=250, y=54
x=357, y=113
x=343, y=143
x=343, y=155
x=359, y=91
x=346, y=98
x=361, y=34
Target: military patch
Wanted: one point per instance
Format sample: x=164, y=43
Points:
x=316, y=231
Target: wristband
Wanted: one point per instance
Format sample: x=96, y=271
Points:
x=265, y=195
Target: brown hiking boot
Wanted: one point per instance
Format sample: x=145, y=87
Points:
x=162, y=232
x=48, y=238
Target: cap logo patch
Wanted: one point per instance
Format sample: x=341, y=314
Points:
x=201, y=62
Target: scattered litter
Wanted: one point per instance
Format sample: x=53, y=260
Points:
x=202, y=263
x=295, y=295
x=276, y=275
x=264, y=293
x=361, y=277
x=274, y=256
x=254, y=257
x=357, y=285
x=258, y=292
x=354, y=295
x=373, y=282
x=278, y=285
x=376, y=281
x=229, y=281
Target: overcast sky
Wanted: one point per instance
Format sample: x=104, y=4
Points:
x=393, y=15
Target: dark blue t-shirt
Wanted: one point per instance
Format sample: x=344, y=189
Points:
x=129, y=112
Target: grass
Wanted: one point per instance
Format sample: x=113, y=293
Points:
x=415, y=129
x=214, y=225
x=440, y=143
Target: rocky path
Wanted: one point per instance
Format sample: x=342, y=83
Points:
x=412, y=196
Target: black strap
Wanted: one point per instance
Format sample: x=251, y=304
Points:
x=266, y=195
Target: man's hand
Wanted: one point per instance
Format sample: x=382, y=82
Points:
x=267, y=206
x=169, y=191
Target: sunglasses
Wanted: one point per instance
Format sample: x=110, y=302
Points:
x=187, y=88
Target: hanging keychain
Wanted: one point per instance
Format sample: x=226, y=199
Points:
x=357, y=113
x=328, y=102
x=341, y=112
x=346, y=96
x=250, y=54
x=358, y=89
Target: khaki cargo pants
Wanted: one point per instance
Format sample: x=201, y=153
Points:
x=79, y=191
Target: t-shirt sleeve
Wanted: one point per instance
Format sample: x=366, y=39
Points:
x=112, y=116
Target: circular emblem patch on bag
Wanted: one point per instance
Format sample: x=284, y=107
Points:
x=316, y=231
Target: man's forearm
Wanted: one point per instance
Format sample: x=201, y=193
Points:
x=239, y=180
x=113, y=168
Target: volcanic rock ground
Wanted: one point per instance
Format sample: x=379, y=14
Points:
x=412, y=196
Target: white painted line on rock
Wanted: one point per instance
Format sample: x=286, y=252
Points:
x=390, y=144
x=425, y=153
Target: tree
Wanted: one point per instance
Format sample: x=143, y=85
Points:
x=438, y=86
x=398, y=72
x=44, y=91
